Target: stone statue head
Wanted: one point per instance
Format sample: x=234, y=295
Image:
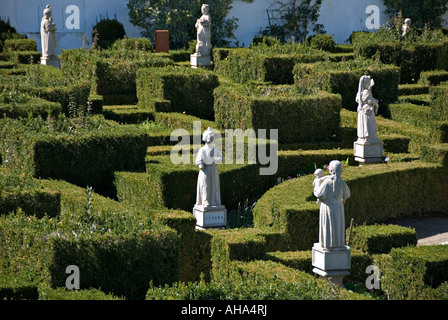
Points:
x=335, y=168
x=205, y=9
x=407, y=22
x=47, y=11
x=208, y=136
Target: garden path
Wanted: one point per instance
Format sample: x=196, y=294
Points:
x=430, y=230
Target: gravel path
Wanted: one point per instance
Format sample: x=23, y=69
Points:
x=430, y=230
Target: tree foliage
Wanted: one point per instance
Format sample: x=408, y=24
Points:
x=293, y=19
x=179, y=17
x=423, y=12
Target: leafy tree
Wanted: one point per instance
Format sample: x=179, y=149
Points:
x=422, y=13
x=293, y=19
x=179, y=17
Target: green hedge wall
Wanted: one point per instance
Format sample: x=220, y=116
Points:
x=262, y=63
x=82, y=155
x=302, y=260
x=188, y=90
x=123, y=264
x=36, y=202
x=291, y=208
x=298, y=118
x=343, y=78
x=411, y=57
x=381, y=238
x=20, y=45
x=411, y=273
x=24, y=105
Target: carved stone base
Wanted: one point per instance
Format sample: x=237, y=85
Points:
x=197, y=61
x=51, y=61
x=210, y=217
x=368, y=152
x=332, y=264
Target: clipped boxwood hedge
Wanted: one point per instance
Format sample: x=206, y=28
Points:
x=83, y=156
x=263, y=63
x=298, y=118
x=411, y=273
x=20, y=45
x=412, y=57
x=381, y=238
x=189, y=90
x=343, y=78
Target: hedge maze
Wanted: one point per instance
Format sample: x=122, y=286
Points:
x=86, y=177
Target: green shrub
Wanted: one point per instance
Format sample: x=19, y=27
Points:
x=408, y=273
x=32, y=202
x=412, y=89
x=15, y=105
x=123, y=264
x=343, y=78
x=49, y=293
x=108, y=31
x=323, y=42
x=20, y=45
x=302, y=260
x=436, y=153
x=434, y=77
x=128, y=114
x=130, y=44
x=412, y=57
x=188, y=90
x=25, y=57
x=298, y=118
x=85, y=152
x=438, y=104
x=262, y=64
x=381, y=238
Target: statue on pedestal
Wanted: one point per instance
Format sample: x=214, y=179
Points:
x=201, y=57
x=203, y=25
x=331, y=194
x=208, y=187
x=367, y=109
x=48, y=34
x=208, y=210
x=330, y=256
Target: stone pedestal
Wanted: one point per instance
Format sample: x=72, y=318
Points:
x=368, y=152
x=332, y=264
x=210, y=217
x=51, y=61
x=197, y=61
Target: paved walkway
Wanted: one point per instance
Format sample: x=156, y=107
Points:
x=430, y=230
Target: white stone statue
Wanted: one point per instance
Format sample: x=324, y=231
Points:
x=367, y=108
x=203, y=25
x=208, y=187
x=332, y=194
x=48, y=34
x=406, y=26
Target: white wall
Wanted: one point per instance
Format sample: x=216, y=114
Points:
x=25, y=16
x=339, y=17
